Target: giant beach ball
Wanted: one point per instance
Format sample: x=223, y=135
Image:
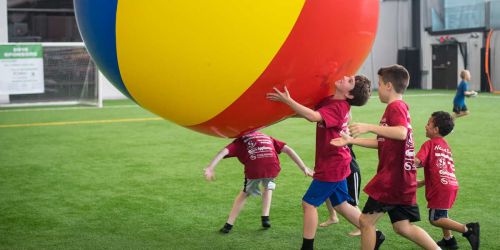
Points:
x=207, y=65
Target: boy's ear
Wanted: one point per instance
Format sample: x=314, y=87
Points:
x=349, y=96
x=389, y=85
x=436, y=130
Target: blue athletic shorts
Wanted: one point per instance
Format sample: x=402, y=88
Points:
x=319, y=191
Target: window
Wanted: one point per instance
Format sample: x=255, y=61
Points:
x=448, y=15
x=42, y=21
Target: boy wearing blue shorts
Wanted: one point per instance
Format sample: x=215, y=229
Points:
x=332, y=163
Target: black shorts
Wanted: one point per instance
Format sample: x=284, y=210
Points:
x=354, y=183
x=457, y=109
x=396, y=212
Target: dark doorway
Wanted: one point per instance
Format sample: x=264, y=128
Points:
x=444, y=66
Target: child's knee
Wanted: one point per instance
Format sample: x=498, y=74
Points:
x=307, y=206
x=365, y=222
x=436, y=223
x=402, y=228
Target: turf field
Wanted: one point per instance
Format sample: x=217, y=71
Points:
x=119, y=178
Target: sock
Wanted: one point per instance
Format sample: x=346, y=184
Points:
x=307, y=244
x=466, y=228
x=447, y=238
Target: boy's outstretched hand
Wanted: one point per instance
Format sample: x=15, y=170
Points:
x=308, y=172
x=420, y=183
x=341, y=141
x=279, y=96
x=357, y=129
x=209, y=174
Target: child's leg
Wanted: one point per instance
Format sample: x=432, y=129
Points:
x=266, y=207
x=447, y=233
x=332, y=215
x=356, y=231
x=367, y=223
x=267, y=196
x=238, y=204
x=448, y=224
x=349, y=212
x=415, y=234
x=310, y=220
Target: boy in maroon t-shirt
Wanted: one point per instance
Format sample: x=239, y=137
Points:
x=441, y=185
x=393, y=188
x=332, y=163
x=259, y=154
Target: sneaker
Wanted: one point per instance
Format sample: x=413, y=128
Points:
x=472, y=235
x=380, y=239
x=448, y=244
x=226, y=228
x=266, y=224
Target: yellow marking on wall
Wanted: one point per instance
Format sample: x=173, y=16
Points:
x=45, y=124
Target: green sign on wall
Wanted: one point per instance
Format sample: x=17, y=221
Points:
x=21, y=68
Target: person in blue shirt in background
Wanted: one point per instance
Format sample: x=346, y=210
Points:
x=459, y=107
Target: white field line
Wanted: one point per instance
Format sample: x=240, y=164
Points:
x=67, y=108
x=45, y=124
x=137, y=106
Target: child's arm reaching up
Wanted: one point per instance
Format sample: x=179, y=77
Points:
x=210, y=169
x=300, y=110
x=296, y=158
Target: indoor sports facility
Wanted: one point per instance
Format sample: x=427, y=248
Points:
x=111, y=110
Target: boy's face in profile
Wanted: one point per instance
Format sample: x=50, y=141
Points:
x=467, y=75
x=383, y=90
x=431, y=130
x=345, y=84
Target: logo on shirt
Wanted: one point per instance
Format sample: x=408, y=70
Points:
x=409, y=159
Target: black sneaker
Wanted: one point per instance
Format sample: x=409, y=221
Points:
x=265, y=222
x=226, y=228
x=472, y=235
x=448, y=244
x=380, y=239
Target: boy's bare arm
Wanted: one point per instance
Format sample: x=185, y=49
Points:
x=296, y=158
x=363, y=142
x=210, y=169
x=417, y=163
x=420, y=183
x=391, y=132
x=301, y=110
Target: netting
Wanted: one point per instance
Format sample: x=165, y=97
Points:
x=70, y=78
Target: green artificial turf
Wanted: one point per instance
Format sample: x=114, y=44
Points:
x=140, y=185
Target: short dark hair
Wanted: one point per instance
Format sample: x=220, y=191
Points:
x=397, y=75
x=361, y=91
x=443, y=121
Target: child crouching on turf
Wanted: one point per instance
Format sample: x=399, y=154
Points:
x=259, y=154
x=441, y=185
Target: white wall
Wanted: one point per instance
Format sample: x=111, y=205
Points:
x=4, y=37
x=3, y=21
x=393, y=33
x=108, y=91
x=495, y=60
